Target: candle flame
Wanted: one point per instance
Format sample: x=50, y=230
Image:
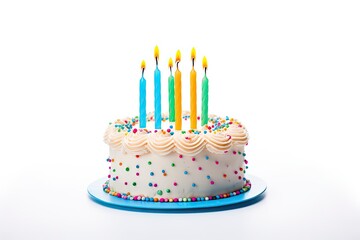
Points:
x=143, y=64
x=204, y=63
x=178, y=56
x=193, y=53
x=156, y=52
x=170, y=62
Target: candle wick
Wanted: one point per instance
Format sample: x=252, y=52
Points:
x=177, y=65
x=170, y=70
x=205, y=71
x=193, y=61
x=142, y=74
x=156, y=59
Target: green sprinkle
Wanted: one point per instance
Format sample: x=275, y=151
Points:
x=134, y=184
x=244, y=154
x=114, y=170
x=127, y=169
x=168, y=190
x=173, y=164
x=183, y=132
x=149, y=162
x=159, y=192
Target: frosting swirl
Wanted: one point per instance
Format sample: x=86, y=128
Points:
x=218, y=143
x=160, y=143
x=188, y=144
x=136, y=143
x=238, y=134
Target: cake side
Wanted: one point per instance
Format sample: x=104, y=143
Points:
x=167, y=164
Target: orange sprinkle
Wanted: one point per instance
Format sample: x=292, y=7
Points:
x=128, y=193
x=112, y=160
x=165, y=174
x=156, y=199
x=120, y=163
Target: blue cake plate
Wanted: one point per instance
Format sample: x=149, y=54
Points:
x=254, y=195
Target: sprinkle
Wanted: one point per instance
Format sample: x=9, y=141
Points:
x=207, y=157
x=163, y=171
x=245, y=161
x=234, y=152
x=173, y=164
x=137, y=156
x=114, y=170
x=155, y=131
x=212, y=182
x=217, y=162
x=186, y=172
x=193, y=159
x=168, y=190
x=109, y=176
x=168, y=130
x=244, y=154
x=137, y=174
x=151, y=173
x=155, y=185
x=180, y=156
x=224, y=175
x=150, y=184
x=236, y=172
x=159, y=192
x=135, y=130
x=175, y=184
x=208, y=176
x=165, y=174
x=125, y=183
x=134, y=184
x=127, y=169
x=149, y=162
x=200, y=168
x=193, y=185
x=137, y=166
x=171, y=127
x=172, y=133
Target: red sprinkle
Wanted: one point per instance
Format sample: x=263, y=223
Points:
x=134, y=130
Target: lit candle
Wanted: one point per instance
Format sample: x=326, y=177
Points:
x=178, y=108
x=205, y=96
x=193, y=113
x=171, y=93
x=142, y=109
x=157, y=91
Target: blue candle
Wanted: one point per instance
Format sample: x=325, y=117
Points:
x=157, y=91
x=142, y=98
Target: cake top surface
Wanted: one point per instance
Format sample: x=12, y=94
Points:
x=218, y=136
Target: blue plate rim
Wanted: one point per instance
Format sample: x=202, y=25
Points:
x=96, y=193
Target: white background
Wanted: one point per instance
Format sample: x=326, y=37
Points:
x=288, y=70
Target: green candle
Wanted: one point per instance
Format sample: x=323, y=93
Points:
x=204, y=96
x=171, y=94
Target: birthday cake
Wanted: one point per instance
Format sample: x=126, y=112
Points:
x=167, y=157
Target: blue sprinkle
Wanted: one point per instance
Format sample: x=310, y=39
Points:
x=198, y=199
x=207, y=157
x=147, y=199
x=151, y=174
x=151, y=199
x=217, y=196
x=163, y=171
x=208, y=176
x=150, y=184
x=202, y=198
x=171, y=126
x=137, y=166
x=244, y=154
x=114, y=179
x=194, y=185
x=185, y=172
x=205, y=132
x=172, y=133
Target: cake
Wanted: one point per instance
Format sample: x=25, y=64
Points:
x=171, y=165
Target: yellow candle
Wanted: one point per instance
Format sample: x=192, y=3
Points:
x=193, y=112
x=178, y=108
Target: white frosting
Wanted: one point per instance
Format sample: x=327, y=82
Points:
x=190, y=164
x=224, y=170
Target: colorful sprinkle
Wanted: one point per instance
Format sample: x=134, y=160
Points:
x=159, y=192
x=127, y=169
x=186, y=172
